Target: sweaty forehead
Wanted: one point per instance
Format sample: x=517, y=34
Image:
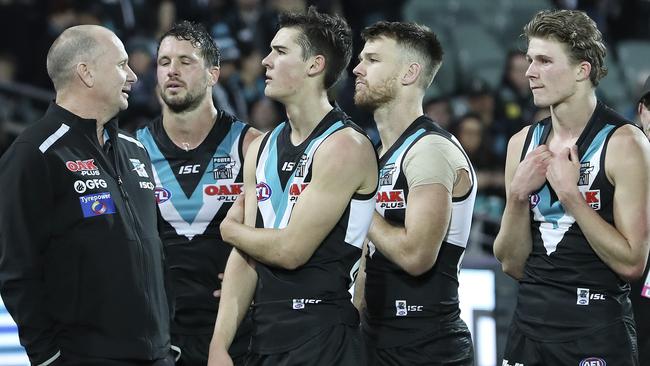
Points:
x=171, y=46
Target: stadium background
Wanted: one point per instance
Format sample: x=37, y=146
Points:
x=480, y=93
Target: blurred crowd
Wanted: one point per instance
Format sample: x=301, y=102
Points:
x=483, y=117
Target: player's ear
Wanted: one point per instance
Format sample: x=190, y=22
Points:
x=85, y=74
x=412, y=73
x=317, y=65
x=213, y=75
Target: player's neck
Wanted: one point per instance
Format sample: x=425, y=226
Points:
x=305, y=115
x=187, y=130
x=394, y=117
x=571, y=116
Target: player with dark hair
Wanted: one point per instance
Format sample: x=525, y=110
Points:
x=309, y=197
x=197, y=153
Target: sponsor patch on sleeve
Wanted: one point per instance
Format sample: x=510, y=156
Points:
x=97, y=204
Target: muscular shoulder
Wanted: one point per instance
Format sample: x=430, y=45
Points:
x=628, y=148
x=517, y=140
x=348, y=155
x=253, y=135
x=348, y=146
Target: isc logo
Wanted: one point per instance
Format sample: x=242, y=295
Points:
x=402, y=309
x=300, y=303
x=189, y=169
x=593, y=361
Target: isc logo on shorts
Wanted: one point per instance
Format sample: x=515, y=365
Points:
x=584, y=296
x=507, y=363
x=593, y=361
x=299, y=304
x=401, y=309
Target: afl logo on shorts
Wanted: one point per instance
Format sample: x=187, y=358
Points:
x=162, y=194
x=593, y=361
x=263, y=192
x=534, y=200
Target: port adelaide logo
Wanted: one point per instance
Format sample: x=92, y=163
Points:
x=222, y=167
x=386, y=175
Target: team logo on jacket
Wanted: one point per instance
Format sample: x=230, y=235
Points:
x=97, y=204
x=162, y=194
x=593, y=198
x=593, y=361
x=139, y=168
x=585, y=171
x=223, y=192
x=84, y=167
x=391, y=200
x=386, y=175
x=263, y=192
x=222, y=167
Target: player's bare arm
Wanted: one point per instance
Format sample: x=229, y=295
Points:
x=513, y=243
x=624, y=246
x=240, y=278
x=345, y=154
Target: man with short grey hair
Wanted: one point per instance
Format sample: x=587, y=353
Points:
x=81, y=263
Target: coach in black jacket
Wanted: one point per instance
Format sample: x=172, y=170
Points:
x=81, y=263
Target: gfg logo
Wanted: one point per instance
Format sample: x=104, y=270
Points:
x=81, y=186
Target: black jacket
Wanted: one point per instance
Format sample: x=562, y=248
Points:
x=81, y=263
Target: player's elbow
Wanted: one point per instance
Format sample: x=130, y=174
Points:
x=290, y=260
x=418, y=264
x=514, y=270
x=633, y=272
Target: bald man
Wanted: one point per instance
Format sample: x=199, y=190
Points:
x=81, y=263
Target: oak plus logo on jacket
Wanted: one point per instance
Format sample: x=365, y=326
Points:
x=84, y=167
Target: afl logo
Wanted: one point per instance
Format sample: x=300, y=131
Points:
x=534, y=200
x=162, y=194
x=263, y=192
x=593, y=361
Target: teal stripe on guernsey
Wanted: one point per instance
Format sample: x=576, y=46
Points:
x=271, y=168
x=280, y=201
x=537, y=135
x=187, y=207
x=597, y=143
x=407, y=142
x=552, y=212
